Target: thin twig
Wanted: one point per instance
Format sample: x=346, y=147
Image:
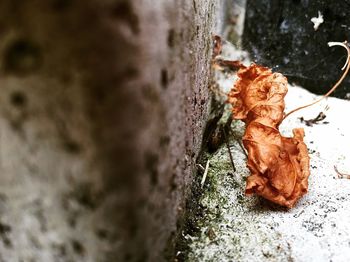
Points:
x=341, y=175
x=229, y=151
x=314, y=121
x=242, y=147
x=205, y=173
x=201, y=167
x=346, y=67
x=222, y=64
x=239, y=143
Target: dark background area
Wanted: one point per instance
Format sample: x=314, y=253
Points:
x=279, y=34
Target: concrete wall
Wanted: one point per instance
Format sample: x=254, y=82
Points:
x=102, y=107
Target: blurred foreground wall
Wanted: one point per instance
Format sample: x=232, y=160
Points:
x=102, y=106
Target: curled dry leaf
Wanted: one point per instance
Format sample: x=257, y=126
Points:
x=279, y=165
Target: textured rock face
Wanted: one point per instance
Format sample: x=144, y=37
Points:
x=236, y=227
x=281, y=35
x=102, y=109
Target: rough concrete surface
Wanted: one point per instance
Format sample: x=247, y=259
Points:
x=234, y=227
x=102, y=105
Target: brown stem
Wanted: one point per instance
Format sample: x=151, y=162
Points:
x=334, y=87
x=229, y=151
x=341, y=175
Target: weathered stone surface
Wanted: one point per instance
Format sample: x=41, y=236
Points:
x=280, y=35
x=251, y=229
x=234, y=227
x=101, y=115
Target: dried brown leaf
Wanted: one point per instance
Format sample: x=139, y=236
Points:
x=279, y=165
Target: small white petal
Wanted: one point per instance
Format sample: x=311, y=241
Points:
x=317, y=21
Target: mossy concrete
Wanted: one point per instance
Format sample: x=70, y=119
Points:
x=235, y=227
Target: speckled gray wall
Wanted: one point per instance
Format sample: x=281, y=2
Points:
x=102, y=107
